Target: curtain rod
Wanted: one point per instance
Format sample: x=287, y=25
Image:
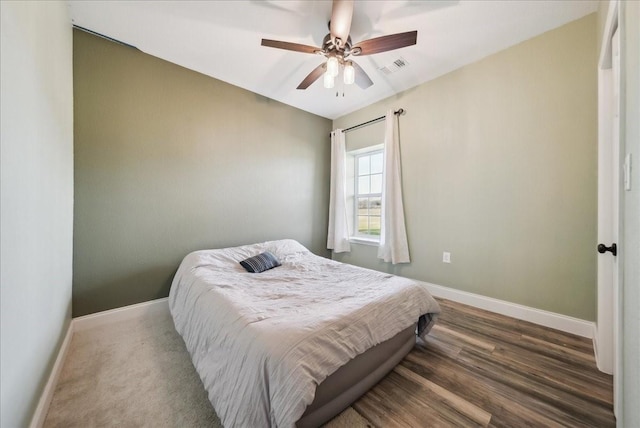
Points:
x=369, y=122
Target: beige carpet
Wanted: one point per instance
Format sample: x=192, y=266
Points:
x=137, y=373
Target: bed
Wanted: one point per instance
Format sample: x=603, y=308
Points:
x=296, y=344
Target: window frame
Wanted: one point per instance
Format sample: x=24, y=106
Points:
x=369, y=152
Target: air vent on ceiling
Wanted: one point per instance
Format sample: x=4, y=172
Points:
x=394, y=66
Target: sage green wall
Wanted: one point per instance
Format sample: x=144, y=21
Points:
x=499, y=162
x=168, y=161
x=36, y=207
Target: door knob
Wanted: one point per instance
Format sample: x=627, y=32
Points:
x=603, y=249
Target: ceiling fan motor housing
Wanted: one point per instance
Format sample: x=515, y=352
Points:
x=331, y=46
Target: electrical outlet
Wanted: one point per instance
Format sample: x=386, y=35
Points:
x=446, y=257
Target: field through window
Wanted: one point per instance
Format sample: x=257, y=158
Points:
x=369, y=167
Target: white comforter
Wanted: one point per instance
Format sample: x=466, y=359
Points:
x=261, y=342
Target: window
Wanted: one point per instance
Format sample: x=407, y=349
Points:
x=368, y=194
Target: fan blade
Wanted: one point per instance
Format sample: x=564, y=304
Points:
x=290, y=46
x=313, y=76
x=362, y=79
x=386, y=43
x=341, y=15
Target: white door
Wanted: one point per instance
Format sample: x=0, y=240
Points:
x=606, y=341
x=615, y=189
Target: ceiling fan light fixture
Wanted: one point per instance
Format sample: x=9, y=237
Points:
x=333, y=66
x=329, y=80
x=349, y=73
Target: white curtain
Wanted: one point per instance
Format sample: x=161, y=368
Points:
x=338, y=233
x=394, y=246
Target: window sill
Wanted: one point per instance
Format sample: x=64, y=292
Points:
x=364, y=241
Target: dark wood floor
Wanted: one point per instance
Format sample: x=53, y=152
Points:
x=477, y=368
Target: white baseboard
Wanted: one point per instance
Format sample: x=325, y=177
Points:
x=47, y=394
x=537, y=316
x=120, y=314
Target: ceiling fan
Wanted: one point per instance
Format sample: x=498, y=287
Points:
x=337, y=47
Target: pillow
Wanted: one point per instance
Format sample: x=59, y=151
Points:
x=260, y=263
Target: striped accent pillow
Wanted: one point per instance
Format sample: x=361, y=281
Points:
x=260, y=263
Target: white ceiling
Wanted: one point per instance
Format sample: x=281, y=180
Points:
x=222, y=39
